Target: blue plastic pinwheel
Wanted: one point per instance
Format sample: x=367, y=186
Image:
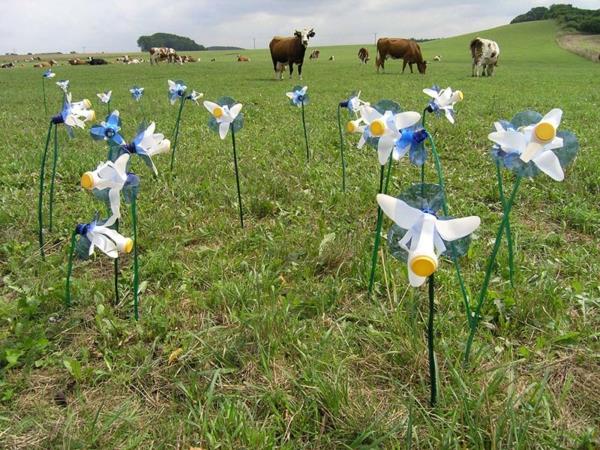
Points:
x=108, y=130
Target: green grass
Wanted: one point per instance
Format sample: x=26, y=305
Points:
x=281, y=345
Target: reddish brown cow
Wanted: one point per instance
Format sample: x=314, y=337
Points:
x=397, y=48
x=290, y=51
x=243, y=58
x=363, y=55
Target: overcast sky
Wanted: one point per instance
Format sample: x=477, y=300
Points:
x=115, y=25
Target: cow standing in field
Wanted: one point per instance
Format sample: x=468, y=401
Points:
x=158, y=54
x=315, y=54
x=397, y=48
x=363, y=55
x=290, y=51
x=485, y=56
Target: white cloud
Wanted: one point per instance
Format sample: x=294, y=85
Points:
x=115, y=25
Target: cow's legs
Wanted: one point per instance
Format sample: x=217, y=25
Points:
x=404, y=63
x=411, y=67
x=300, y=70
x=291, y=70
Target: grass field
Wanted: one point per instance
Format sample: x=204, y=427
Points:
x=281, y=346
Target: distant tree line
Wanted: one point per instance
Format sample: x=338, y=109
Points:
x=584, y=20
x=179, y=43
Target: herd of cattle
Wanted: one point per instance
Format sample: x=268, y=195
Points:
x=289, y=51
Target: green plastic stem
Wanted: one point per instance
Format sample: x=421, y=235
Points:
x=379, y=224
x=511, y=257
x=52, y=179
x=70, y=269
x=135, y=260
x=339, y=118
x=176, y=132
x=44, y=91
x=116, y=271
x=305, y=133
x=430, y=346
x=41, y=193
x=453, y=256
x=488, y=273
x=237, y=176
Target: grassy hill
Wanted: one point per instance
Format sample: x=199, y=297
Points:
x=266, y=337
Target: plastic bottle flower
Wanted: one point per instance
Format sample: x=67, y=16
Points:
x=443, y=100
x=147, y=144
x=136, y=93
x=63, y=85
x=108, y=130
x=49, y=74
x=226, y=114
x=195, y=96
x=176, y=90
x=411, y=141
x=386, y=128
x=535, y=143
x=425, y=235
x=105, y=96
x=107, y=240
x=298, y=96
x=353, y=103
x=223, y=115
x=112, y=176
x=74, y=114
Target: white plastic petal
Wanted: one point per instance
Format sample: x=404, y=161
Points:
x=223, y=128
x=402, y=214
x=406, y=119
x=235, y=110
x=453, y=229
x=553, y=117
x=384, y=149
x=549, y=163
x=509, y=140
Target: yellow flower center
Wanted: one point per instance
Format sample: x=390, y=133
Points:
x=460, y=96
x=545, y=131
x=218, y=112
x=350, y=127
x=87, y=180
x=128, y=245
x=377, y=128
x=423, y=265
x=87, y=103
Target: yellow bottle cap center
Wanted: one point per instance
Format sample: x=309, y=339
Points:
x=93, y=116
x=423, y=265
x=377, y=128
x=545, y=131
x=460, y=96
x=350, y=127
x=128, y=246
x=87, y=180
x=218, y=112
x=87, y=103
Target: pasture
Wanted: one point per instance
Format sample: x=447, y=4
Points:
x=265, y=336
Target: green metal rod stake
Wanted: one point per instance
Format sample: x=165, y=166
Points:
x=41, y=193
x=341, y=148
x=176, y=132
x=511, y=257
x=305, y=133
x=430, y=346
x=52, y=179
x=379, y=224
x=237, y=176
x=70, y=269
x=488, y=272
x=135, y=260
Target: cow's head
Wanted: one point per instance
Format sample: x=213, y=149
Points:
x=422, y=66
x=304, y=35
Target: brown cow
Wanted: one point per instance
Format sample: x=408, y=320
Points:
x=397, y=48
x=241, y=58
x=162, y=53
x=45, y=64
x=290, y=50
x=315, y=54
x=77, y=62
x=363, y=55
